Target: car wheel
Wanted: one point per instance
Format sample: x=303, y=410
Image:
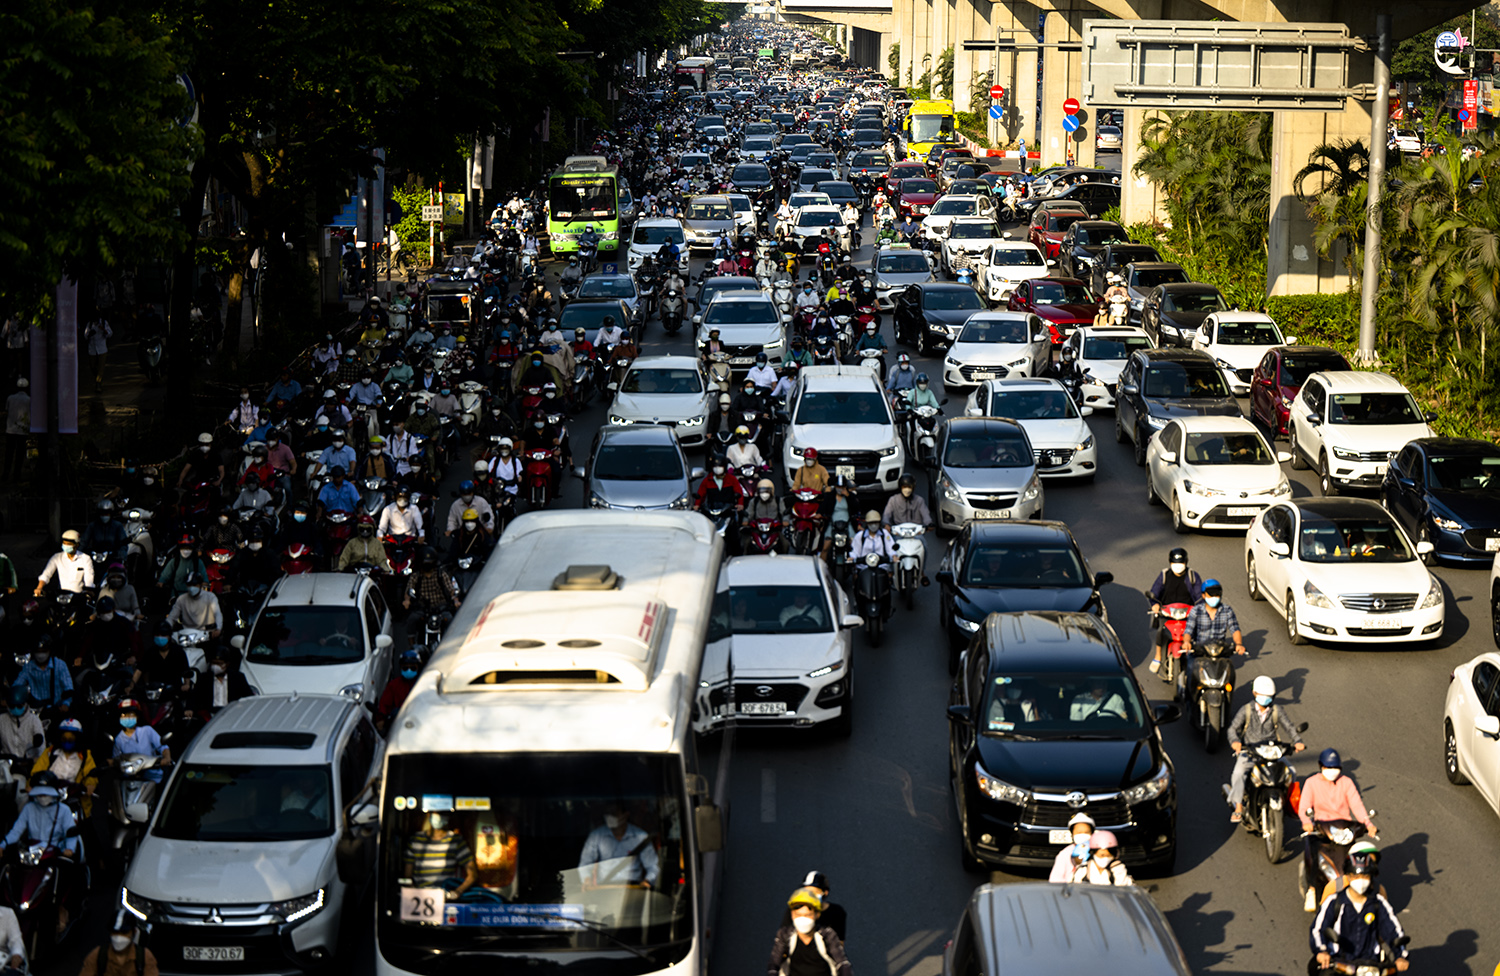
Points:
x=1178, y=525
x=1450, y=757
x=1299, y=463
x=1140, y=448
x=1151, y=496
x=1326, y=485
x=1425, y=535
x=1119, y=427
x=1292, y=636
x=1252, y=581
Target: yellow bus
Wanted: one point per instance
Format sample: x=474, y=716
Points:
x=927, y=122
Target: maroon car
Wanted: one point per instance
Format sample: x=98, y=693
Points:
x=1048, y=226
x=1278, y=378
x=916, y=197
x=902, y=171
x=1063, y=303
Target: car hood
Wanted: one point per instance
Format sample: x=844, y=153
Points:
x=250, y=872
x=763, y=333
x=952, y=317
x=758, y=656
x=902, y=279
x=988, y=353
x=842, y=437
x=327, y=679
x=708, y=225
x=1064, y=765
x=1067, y=313
x=976, y=603
x=1480, y=509
x=1194, y=407
x=1336, y=578
x=639, y=494
x=1384, y=438
x=920, y=199
x=1240, y=357
x=990, y=479
x=1236, y=479
x=1105, y=370
x=1063, y=432
x=658, y=406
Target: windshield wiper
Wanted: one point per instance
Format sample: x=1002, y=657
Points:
x=594, y=926
x=1017, y=736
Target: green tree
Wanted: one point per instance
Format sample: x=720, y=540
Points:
x=944, y=74
x=1334, y=186
x=893, y=61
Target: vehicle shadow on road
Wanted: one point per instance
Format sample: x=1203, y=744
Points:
x=1197, y=929
x=1403, y=866
x=1450, y=957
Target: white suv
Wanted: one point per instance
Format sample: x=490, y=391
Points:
x=647, y=237
x=1348, y=425
x=842, y=411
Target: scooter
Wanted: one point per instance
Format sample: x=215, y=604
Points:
x=1271, y=790
x=538, y=477
x=872, y=594
x=1173, y=616
x=132, y=797
x=839, y=558
x=764, y=536
x=909, y=554
x=873, y=359
x=1323, y=851
x=470, y=405
x=807, y=521
x=1383, y=963
x=29, y=882
x=140, y=549
x=922, y=434
x=673, y=310
x=1207, y=690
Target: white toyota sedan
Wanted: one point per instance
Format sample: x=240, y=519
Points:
x=1213, y=472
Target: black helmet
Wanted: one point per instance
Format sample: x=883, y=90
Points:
x=907, y=481
x=427, y=559
x=608, y=322
x=1177, y=555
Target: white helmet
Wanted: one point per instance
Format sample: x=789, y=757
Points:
x=1264, y=685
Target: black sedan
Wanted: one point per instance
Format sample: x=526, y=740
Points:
x=1172, y=312
x=929, y=316
x=1047, y=721
x=1157, y=385
x=1446, y=491
x=1082, y=242
x=1008, y=566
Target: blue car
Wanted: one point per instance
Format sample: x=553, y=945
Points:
x=1446, y=490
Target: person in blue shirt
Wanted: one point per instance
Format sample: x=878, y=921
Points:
x=903, y=377
x=46, y=822
x=135, y=739
x=45, y=678
x=285, y=388
x=337, y=495
x=337, y=455
x=445, y=339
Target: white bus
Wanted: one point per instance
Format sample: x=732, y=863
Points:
x=541, y=802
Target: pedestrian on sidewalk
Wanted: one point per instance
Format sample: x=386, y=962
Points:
x=17, y=428
x=96, y=335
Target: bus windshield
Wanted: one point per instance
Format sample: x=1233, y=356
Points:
x=931, y=128
x=582, y=198
x=571, y=855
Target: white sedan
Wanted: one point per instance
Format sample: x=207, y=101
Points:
x=1100, y=352
x=1061, y=441
x=1341, y=569
x=1238, y=341
x=1214, y=472
x=1471, y=726
x=993, y=345
x=948, y=209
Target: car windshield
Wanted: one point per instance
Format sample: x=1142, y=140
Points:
x=1098, y=235
x=607, y=286
x=638, y=462
x=868, y=159
x=567, y=855
x=951, y=299
x=587, y=315
x=1000, y=446
x=1215, y=447
x=1168, y=381
x=770, y=609
x=1120, y=257
x=1032, y=404
x=709, y=211
x=841, y=407
x=1146, y=278
x=902, y=262
x=1296, y=369
x=1373, y=409
x=1059, y=293
x=1465, y=472
x=949, y=206
x=741, y=313
x=918, y=186
x=970, y=231
x=799, y=200
x=662, y=380
x=656, y=234
x=1249, y=334
x=819, y=218
x=1016, y=257
x=1061, y=706
x=306, y=636
x=1096, y=347
x=1025, y=564
x=908, y=171
x=812, y=177
x=247, y=804
x=1062, y=221
x=750, y=173
x=1193, y=301
x=837, y=190
x=1360, y=539
x=994, y=330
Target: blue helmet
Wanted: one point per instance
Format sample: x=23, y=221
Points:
x=466, y=488
x=411, y=659
x=1212, y=584
x=1330, y=759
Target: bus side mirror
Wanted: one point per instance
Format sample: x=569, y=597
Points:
x=708, y=824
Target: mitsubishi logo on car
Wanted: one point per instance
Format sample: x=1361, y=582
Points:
x=214, y=918
x=763, y=691
x=1377, y=604
x=1075, y=799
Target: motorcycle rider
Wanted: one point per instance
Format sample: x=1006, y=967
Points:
x=1360, y=920
x=762, y=374
x=1076, y=854
x=908, y=506
x=719, y=486
x=571, y=276
x=376, y=463
x=872, y=339
x=123, y=593
x=256, y=563
x=222, y=534
x=742, y=451
x=397, y=689
x=109, y=633
x=468, y=499
x=399, y=520
x=336, y=455
x=921, y=395
x=183, y=563
x=1175, y=584
x=609, y=334
x=364, y=547
x=807, y=946
x=874, y=537
x=69, y=762
x=47, y=822
x=799, y=354
x=73, y=568
x=1116, y=300
x=1104, y=866
x=1257, y=723
x=1329, y=795
x=808, y=299
x=469, y=541
x=46, y=679
x=198, y=608
x=337, y=495
x=786, y=381
x=21, y=730
x=433, y=592
x=224, y=684
x=105, y=534
x=589, y=240
x=1363, y=859
x=1212, y=620
x=164, y=662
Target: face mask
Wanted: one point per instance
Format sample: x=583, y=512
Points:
x=322, y=428
x=185, y=553
x=338, y=442
x=718, y=470
x=127, y=721
x=468, y=498
x=408, y=673
x=1179, y=568
x=1360, y=885
x=470, y=526
x=217, y=669
x=104, y=516
x=366, y=532
x=1212, y=601
x=255, y=546
x=804, y=924
x=41, y=658
x=245, y=397
x=299, y=516
x=1103, y=860
x=18, y=710
x=765, y=496
x=119, y=942
x=377, y=451
x=203, y=448
x=1330, y=774
x=272, y=442
x=402, y=503
x=70, y=745
x=45, y=801
x=438, y=821
x=921, y=386
x=613, y=821
x=421, y=411
x=69, y=548
x=1263, y=700
x=160, y=640
x=106, y=617
x=194, y=590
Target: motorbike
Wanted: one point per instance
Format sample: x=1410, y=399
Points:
x=1173, y=616
x=470, y=404
x=586, y=255
x=372, y=497
x=153, y=357
x=922, y=434
x=839, y=558
x=807, y=521
x=872, y=594
x=823, y=351
x=538, y=478
x=1207, y=689
x=721, y=512
x=1270, y=788
x=673, y=311
x=909, y=551
x=1324, y=849
x=140, y=550
x=764, y=537
x=338, y=526
x=132, y=796
x=29, y=882
x=1383, y=963
x=220, y=573
x=874, y=359
x=297, y=559
x=466, y=571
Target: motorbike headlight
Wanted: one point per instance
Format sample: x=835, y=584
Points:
x=1283, y=488
x=997, y=789
x=1315, y=597
x=1212, y=680
x=693, y=422
x=1151, y=788
x=141, y=908
x=682, y=502
x=1032, y=490
x=1434, y=595
x=356, y=691
x=596, y=502
x=1344, y=454
x=1088, y=442
x=296, y=909
x=1447, y=523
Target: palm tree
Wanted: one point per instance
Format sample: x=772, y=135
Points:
x=1341, y=166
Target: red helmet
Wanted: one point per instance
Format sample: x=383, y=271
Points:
x=187, y=540
x=366, y=519
x=811, y=454
x=129, y=705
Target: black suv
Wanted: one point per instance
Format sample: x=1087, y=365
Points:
x=1082, y=242
x=1046, y=720
x=1096, y=198
x=1159, y=384
x=1112, y=260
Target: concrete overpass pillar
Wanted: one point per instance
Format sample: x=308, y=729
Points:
x=1138, y=196
x=1021, y=120
x=902, y=12
x=1062, y=75
x=1293, y=266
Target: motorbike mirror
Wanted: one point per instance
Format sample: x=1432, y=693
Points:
x=1170, y=712
x=696, y=474
x=943, y=402
x=1103, y=577
x=237, y=642
x=383, y=642
x=851, y=620
x=138, y=813
x=959, y=713
x=364, y=815
x=1302, y=728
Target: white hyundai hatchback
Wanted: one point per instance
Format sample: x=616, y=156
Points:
x=1061, y=441
x=1213, y=472
x=1471, y=726
x=1342, y=570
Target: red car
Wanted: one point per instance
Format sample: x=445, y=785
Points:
x=1063, y=303
x=917, y=196
x=1278, y=378
x=1048, y=226
x=902, y=171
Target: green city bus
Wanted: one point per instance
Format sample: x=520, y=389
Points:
x=584, y=190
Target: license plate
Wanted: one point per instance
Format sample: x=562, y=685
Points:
x=1236, y=512
x=741, y=361
x=1380, y=471
x=762, y=708
x=1382, y=623
x=984, y=374
x=1063, y=836
x=1492, y=544
x=986, y=513
x=843, y=470
x=213, y=953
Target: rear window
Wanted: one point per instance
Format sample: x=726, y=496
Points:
x=657, y=235
x=307, y=636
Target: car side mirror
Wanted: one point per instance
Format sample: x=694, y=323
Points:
x=697, y=320
x=1282, y=457
x=1487, y=724
x=696, y=474
x=973, y=412
x=1085, y=411
x=944, y=577
x=1052, y=262
x=1168, y=457
x=1166, y=714
x=851, y=620
x=1424, y=548
x=579, y=473
x=138, y=813
x=1290, y=340
x=959, y=713
x=237, y=642
x=708, y=825
x=1102, y=578
x=1405, y=482
x=1313, y=420
x=1281, y=550
x=1131, y=389
x=1430, y=417
x=383, y=642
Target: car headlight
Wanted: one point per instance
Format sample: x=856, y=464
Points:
x=1282, y=488
x=949, y=490
x=1344, y=454
x=355, y=691
x=888, y=451
x=1088, y=442
x=1151, y=788
x=1201, y=490
x=596, y=502
x=823, y=672
x=682, y=502
x=141, y=908
x=1019, y=362
x=692, y=422
x=1000, y=790
x=1447, y=523
x=1136, y=303
x=618, y=421
x=296, y=909
x=1032, y=490
x=1434, y=595
x=965, y=624
x=1315, y=597
x=795, y=450
x=1155, y=423
x=772, y=346
x=1223, y=365
x=953, y=363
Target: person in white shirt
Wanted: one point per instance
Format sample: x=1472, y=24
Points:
x=742, y=452
x=875, y=538
x=618, y=853
x=762, y=374
x=1098, y=700
x=505, y=467
x=400, y=519
x=808, y=298
x=74, y=570
x=10, y=937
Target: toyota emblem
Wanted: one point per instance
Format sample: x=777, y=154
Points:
x=1075, y=799
x=763, y=691
x=1377, y=604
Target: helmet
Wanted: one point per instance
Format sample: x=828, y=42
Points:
x=907, y=481
x=1364, y=858
x=922, y=379
x=70, y=536
x=466, y=488
x=163, y=626
x=18, y=695
x=365, y=519
x=764, y=484
x=206, y=439
x=106, y=506
x=608, y=322
x=805, y=896
x=1177, y=555
x=470, y=515
x=903, y=360
x=129, y=705
x=1329, y=759
x=377, y=441
x=1264, y=685
x=481, y=466
x=505, y=444
x=427, y=559
x=872, y=516
x=1103, y=840
x=1212, y=584
x=76, y=727
x=811, y=454
x=1080, y=818
x=410, y=657
x=760, y=359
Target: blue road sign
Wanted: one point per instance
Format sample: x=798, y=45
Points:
x=1070, y=123
x=997, y=112
x=1463, y=115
